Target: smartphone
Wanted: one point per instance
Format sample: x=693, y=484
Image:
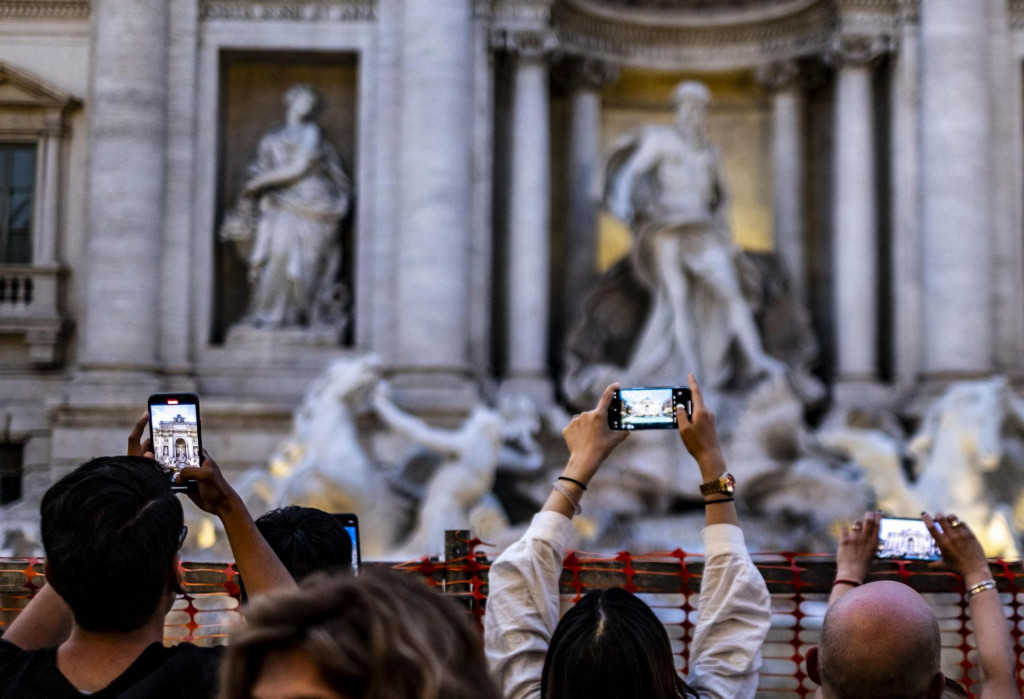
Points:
x=648, y=408
x=906, y=539
x=351, y=524
x=174, y=428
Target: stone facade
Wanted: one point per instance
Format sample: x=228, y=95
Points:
x=882, y=167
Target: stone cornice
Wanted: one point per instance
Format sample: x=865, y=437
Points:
x=858, y=49
x=733, y=40
x=44, y=9
x=289, y=10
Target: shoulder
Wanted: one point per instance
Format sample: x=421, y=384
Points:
x=183, y=670
x=30, y=674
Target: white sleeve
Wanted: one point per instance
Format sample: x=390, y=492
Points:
x=733, y=618
x=523, y=605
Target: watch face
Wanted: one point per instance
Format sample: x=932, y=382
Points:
x=730, y=484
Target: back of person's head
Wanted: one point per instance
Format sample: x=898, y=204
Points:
x=610, y=644
x=111, y=529
x=307, y=540
x=880, y=640
x=376, y=635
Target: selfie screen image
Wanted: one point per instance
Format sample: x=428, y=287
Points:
x=175, y=435
x=647, y=407
x=906, y=538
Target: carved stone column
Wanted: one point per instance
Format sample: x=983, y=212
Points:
x=855, y=256
x=586, y=79
x=431, y=285
x=126, y=193
x=788, y=132
x=955, y=198
x=529, y=249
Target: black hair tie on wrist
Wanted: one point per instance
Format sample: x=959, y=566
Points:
x=713, y=502
x=572, y=480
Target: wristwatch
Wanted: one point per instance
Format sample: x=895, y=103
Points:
x=725, y=485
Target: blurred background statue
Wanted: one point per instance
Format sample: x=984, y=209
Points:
x=303, y=194
x=667, y=184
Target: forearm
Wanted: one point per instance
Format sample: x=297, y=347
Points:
x=257, y=563
x=44, y=623
x=995, y=646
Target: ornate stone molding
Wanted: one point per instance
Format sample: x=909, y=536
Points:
x=858, y=49
x=526, y=43
x=292, y=10
x=682, y=40
x=44, y=9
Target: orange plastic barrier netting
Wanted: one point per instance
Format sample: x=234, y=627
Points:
x=668, y=582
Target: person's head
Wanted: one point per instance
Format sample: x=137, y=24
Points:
x=303, y=100
x=879, y=640
x=111, y=531
x=610, y=644
x=691, y=99
x=381, y=634
x=307, y=540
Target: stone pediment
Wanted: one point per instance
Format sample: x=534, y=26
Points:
x=19, y=89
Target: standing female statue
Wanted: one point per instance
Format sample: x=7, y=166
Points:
x=303, y=194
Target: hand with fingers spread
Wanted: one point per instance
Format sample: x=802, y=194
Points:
x=857, y=547
x=961, y=550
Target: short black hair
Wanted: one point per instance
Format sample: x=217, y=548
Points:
x=307, y=540
x=110, y=529
x=610, y=644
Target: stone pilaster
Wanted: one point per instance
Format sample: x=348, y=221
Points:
x=586, y=78
x=955, y=190
x=529, y=247
x=431, y=281
x=855, y=210
x=125, y=193
x=782, y=78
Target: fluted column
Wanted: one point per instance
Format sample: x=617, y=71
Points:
x=955, y=200
x=855, y=257
x=586, y=78
x=529, y=249
x=788, y=103
x=432, y=282
x=126, y=188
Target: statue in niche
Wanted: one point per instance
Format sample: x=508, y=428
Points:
x=679, y=302
x=289, y=215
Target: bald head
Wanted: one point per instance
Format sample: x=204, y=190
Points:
x=879, y=640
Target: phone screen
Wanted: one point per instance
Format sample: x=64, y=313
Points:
x=351, y=524
x=648, y=408
x=174, y=427
x=906, y=539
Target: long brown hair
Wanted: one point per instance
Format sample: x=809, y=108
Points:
x=381, y=634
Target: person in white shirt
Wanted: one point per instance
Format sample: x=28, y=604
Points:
x=611, y=644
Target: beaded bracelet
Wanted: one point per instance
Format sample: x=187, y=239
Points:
x=981, y=587
x=568, y=496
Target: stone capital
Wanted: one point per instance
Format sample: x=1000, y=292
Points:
x=778, y=75
x=526, y=43
x=858, y=50
x=579, y=73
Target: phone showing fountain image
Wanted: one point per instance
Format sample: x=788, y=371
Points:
x=904, y=538
x=644, y=408
x=351, y=524
x=174, y=428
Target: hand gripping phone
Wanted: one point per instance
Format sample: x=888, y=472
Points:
x=903, y=538
x=174, y=428
x=648, y=408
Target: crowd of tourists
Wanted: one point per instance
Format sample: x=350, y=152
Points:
x=113, y=528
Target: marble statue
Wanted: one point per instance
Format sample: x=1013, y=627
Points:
x=303, y=194
x=667, y=184
x=966, y=457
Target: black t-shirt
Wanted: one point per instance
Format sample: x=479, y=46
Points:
x=184, y=670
